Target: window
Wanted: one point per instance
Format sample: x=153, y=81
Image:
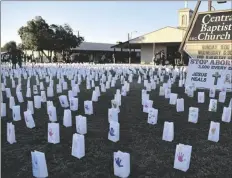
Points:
x=184, y=20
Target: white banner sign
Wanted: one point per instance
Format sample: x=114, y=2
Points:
x=208, y=73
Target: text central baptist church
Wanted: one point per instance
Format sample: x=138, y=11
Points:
x=167, y=39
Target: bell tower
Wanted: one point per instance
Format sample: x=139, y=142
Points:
x=184, y=16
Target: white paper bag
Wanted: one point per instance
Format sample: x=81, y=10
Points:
x=226, y=115
x=121, y=164
x=114, y=131
x=214, y=131
x=78, y=146
x=3, y=110
x=35, y=90
x=168, y=131
x=94, y=96
x=182, y=157
x=53, y=133
x=50, y=92
x=16, y=113
x=152, y=116
x=39, y=164
x=37, y=101
x=222, y=97
x=212, y=92
x=213, y=105
x=147, y=104
x=201, y=97
x=173, y=99
x=73, y=104
x=43, y=97
x=11, y=133
x=167, y=93
x=193, y=114
x=67, y=119
x=81, y=124
x=29, y=119
x=20, y=97
x=12, y=102
x=63, y=101
x=52, y=113
x=88, y=106
x=180, y=105
x=8, y=92
x=28, y=94
x=113, y=114
x=161, y=91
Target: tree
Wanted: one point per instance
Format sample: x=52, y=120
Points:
x=10, y=46
x=37, y=35
x=64, y=39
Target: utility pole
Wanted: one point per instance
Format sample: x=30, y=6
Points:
x=129, y=48
x=209, y=5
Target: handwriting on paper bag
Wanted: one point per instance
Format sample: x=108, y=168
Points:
x=50, y=132
x=213, y=130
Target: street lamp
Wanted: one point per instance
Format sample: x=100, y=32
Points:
x=129, y=38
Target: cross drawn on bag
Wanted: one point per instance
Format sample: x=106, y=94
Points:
x=216, y=77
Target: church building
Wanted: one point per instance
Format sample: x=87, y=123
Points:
x=166, y=40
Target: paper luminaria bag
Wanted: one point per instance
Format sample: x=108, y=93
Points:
x=28, y=94
x=20, y=97
x=88, y=107
x=173, y=99
x=226, y=115
x=64, y=101
x=52, y=113
x=168, y=131
x=78, y=146
x=53, y=133
x=182, y=157
x=37, y=102
x=73, y=104
x=12, y=102
x=180, y=105
x=212, y=92
x=214, y=131
x=81, y=124
x=152, y=116
x=67, y=119
x=201, y=97
x=147, y=104
x=113, y=114
x=16, y=113
x=3, y=109
x=39, y=164
x=213, y=105
x=114, y=131
x=29, y=119
x=11, y=133
x=30, y=106
x=222, y=97
x=121, y=164
x=43, y=97
x=193, y=114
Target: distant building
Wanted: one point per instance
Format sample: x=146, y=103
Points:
x=102, y=52
x=166, y=39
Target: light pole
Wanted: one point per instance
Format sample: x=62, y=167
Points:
x=130, y=37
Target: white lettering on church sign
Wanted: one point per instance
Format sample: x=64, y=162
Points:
x=212, y=26
x=209, y=44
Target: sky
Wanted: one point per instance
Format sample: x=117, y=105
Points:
x=97, y=21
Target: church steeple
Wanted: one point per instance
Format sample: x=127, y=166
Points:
x=185, y=14
x=185, y=4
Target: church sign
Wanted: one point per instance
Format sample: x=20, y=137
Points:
x=209, y=45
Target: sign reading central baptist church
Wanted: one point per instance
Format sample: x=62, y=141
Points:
x=209, y=44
